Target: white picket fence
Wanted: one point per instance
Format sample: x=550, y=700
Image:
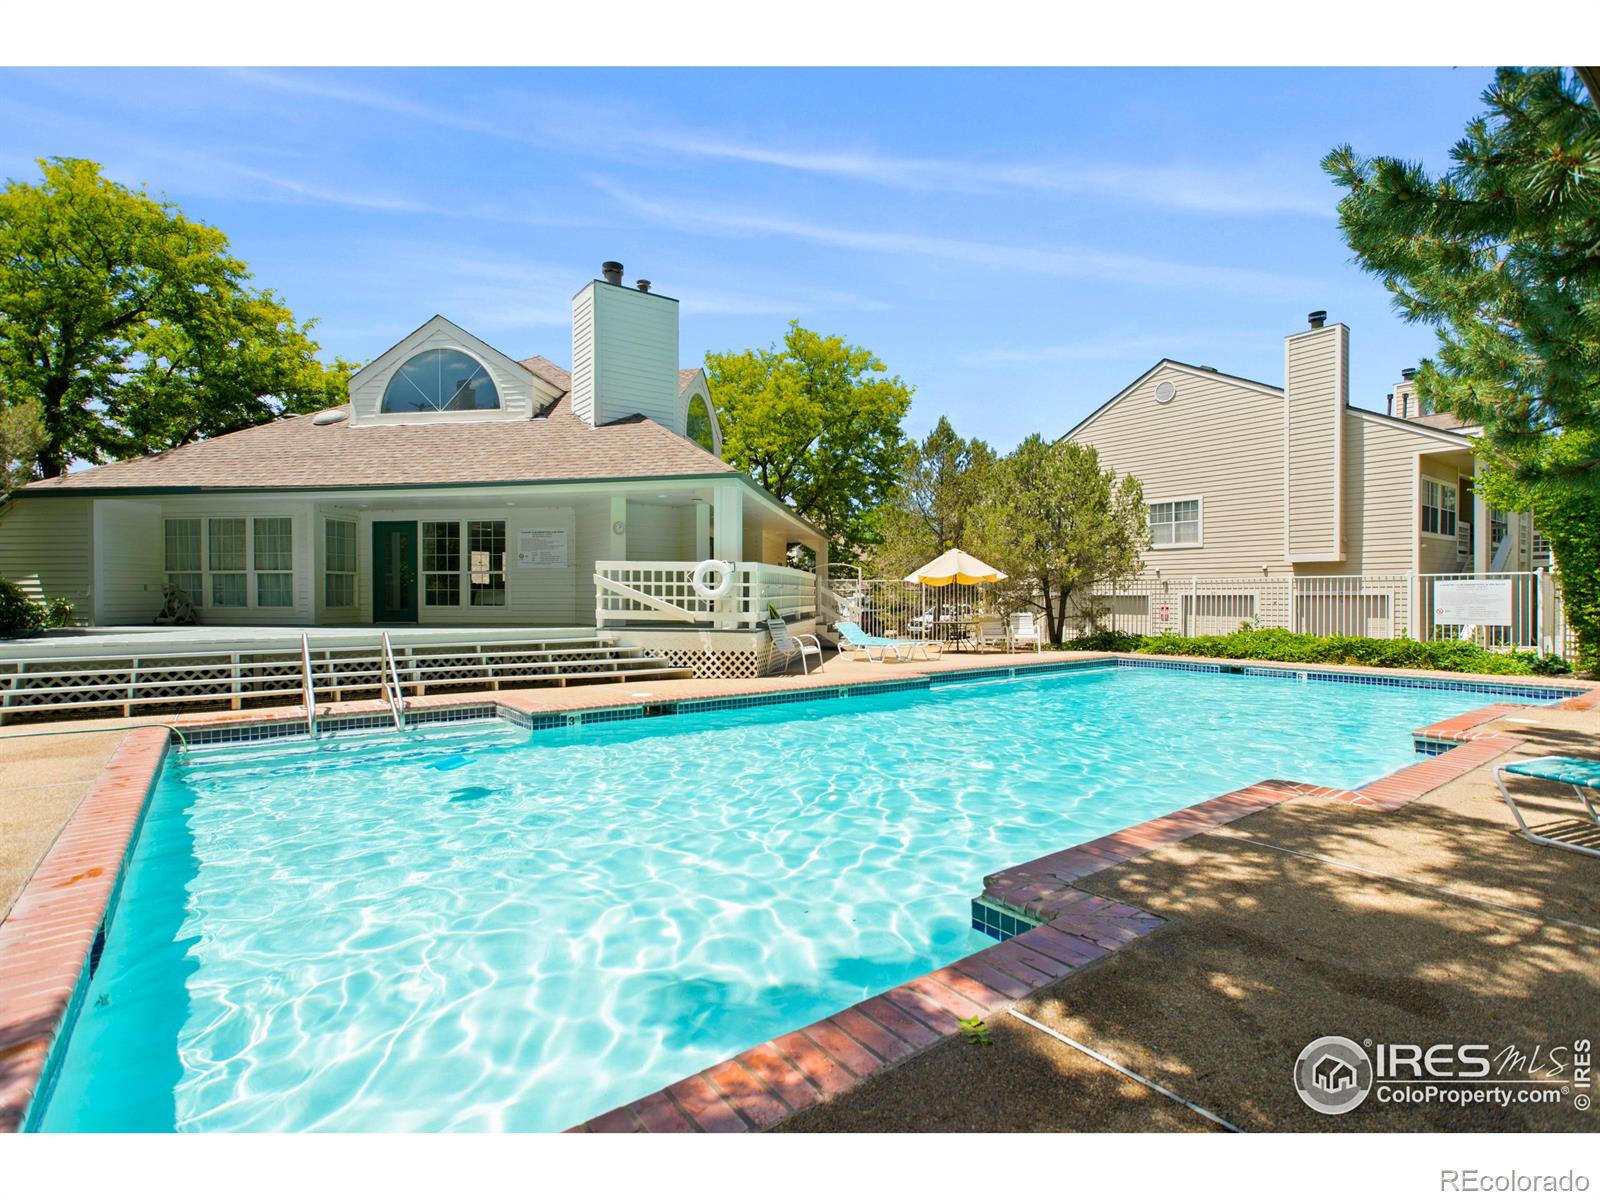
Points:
x=1526, y=607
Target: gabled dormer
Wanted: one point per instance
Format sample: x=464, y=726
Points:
x=440, y=372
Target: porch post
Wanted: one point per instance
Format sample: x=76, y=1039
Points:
x=1480, y=527
x=729, y=530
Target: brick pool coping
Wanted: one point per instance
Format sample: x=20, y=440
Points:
x=51, y=938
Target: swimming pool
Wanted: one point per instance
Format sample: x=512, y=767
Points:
x=483, y=927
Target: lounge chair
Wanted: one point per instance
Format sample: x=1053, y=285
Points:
x=992, y=631
x=790, y=644
x=1025, y=629
x=852, y=637
x=1582, y=775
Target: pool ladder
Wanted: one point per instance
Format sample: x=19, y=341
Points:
x=308, y=689
x=389, y=678
x=391, y=685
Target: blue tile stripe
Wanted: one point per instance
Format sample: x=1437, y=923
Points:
x=998, y=922
x=1520, y=691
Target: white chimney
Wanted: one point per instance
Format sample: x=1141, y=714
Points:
x=624, y=353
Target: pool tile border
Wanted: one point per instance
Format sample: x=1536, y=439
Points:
x=49, y=942
x=52, y=935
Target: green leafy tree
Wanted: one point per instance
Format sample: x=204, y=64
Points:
x=1061, y=526
x=21, y=435
x=815, y=421
x=1501, y=253
x=133, y=328
x=941, y=484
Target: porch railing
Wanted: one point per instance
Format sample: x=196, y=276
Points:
x=662, y=593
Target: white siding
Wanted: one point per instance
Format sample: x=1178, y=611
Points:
x=46, y=549
x=662, y=532
x=1314, y=405
x=128, y=561
x=625, y=356
x=513, y=381
x=1217, y=440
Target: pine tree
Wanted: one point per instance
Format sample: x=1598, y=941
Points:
x=1501, y=253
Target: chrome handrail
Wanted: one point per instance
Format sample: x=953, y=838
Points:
x=308, y=689
x=391, y=684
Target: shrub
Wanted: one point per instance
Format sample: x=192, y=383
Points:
x=20, y=614
x=1279, y=645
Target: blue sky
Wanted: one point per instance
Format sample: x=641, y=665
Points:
x=1017, y=244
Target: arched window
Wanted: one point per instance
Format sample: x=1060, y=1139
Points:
x=440, y=381
x=699, y=424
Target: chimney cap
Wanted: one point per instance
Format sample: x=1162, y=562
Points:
x=642, y=284
x=611, y=271
x=1317, y=318
x=1408, y=374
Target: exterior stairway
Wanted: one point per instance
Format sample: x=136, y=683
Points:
x=85, y=676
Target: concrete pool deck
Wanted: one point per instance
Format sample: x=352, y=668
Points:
x=84, y=830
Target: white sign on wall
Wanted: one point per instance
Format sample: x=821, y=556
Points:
x=544, y=549
x=1472, y=602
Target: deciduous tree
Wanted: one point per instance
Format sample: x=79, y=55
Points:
x=817, y=422
x=1061, y=526
x=135, y=329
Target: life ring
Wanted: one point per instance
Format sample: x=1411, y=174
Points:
x=723, y=586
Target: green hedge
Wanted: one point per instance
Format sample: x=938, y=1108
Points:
x=19, y=614
x=1279, y=645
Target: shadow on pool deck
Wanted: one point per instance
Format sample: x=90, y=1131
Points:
x=1409, y=935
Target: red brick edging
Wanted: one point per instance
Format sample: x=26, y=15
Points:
x=46, y=939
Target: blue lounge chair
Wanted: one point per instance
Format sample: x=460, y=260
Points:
x=853, y=637
x=1582, y=775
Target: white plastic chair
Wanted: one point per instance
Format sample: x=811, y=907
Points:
x=1025, y=629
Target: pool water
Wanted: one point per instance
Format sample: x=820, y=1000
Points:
x=484, y=928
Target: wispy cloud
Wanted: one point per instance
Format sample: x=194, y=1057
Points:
x=1061, y=261
x=1235, y=189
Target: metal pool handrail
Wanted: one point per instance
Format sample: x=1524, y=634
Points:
x=391, y=684
x=308, y=689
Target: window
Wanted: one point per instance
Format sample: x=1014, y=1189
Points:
x=226, y=559
x=440, y=381
x=1175, y=523
x=486, y=555
x=698, y=426
x=339, y=564
x=441, y=564
x=1438, y=508
x=274, y=562
x=183, y=557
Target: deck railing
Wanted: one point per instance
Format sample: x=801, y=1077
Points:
x=662, y=593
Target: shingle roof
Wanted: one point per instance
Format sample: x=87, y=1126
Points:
x=1442, y=420
x=685, y=377
x=297, y=453
x=557, y=377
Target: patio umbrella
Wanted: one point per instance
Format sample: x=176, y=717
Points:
x=955, y=566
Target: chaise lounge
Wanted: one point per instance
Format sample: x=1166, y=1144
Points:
x=853, y=638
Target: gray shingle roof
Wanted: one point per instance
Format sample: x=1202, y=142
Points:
x=296, y=453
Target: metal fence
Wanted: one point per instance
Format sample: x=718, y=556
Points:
x=1503, y=611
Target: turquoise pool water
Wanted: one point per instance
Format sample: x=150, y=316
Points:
x=487, y=928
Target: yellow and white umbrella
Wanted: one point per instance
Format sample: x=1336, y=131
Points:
x=955, y=566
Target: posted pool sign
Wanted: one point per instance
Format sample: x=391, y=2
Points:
x=1472, y=602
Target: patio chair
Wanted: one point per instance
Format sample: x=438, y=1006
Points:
x=992, y=631
x=1025, y=629
x=790, y=644
x=853, y=638
x=1582, y=775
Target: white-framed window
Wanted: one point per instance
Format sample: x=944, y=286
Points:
x=231, y=562
x=339, y=563
x=476, y=578
x=1438, y=508
x=1174, y=523
x=184, y=572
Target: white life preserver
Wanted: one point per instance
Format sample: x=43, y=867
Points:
x=723, y=586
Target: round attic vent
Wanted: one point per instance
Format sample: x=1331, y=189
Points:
x=332, y=417
x=1165, y=391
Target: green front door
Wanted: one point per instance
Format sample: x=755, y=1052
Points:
x=394, y=571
